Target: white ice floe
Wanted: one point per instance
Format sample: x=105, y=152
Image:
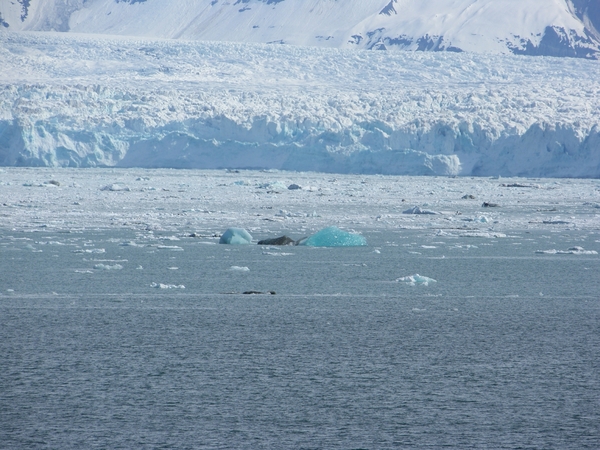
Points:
x=115, y=188
x=90, y=250
x=239, y=269
x=108, y=267
x=571, y=251
x=419, y=210
x=416, y=279
x=167, y=286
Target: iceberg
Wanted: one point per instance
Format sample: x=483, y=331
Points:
x=333, y=237
x=235, y=236
x=416, y=279
x=418, y=210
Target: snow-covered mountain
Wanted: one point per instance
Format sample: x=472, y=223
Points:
x=527, y=27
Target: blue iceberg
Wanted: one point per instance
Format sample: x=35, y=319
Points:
x=334, y=237
x=235, y=236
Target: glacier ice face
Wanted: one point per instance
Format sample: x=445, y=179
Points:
x=103, y=102
x=235, y=236
x=334, y=237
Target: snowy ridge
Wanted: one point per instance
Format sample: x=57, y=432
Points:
x=532, y=27
x=68, y=100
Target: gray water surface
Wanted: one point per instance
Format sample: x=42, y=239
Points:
x=503, y=351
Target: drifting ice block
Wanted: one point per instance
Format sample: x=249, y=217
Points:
x=416, y=279
x=235, y=236
x=334, y=237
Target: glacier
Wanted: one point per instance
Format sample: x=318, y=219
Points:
x=69, y=100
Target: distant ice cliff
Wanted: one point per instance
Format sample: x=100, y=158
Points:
x=69, y=100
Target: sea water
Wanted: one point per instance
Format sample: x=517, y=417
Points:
x=145, y=339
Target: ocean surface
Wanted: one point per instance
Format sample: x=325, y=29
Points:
x=144, y=339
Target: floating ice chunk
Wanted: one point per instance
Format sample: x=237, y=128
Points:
x=333, y=237
x=115, y=188
x=174, y=248
x=167, y=286
x=274, y=186
x=239, y=269
x=480, y=219
x=130, y=244
x=108, y=267
x=90, y=250
x=235, y=236
x=570, y=251
x=418, y=210
x=416, y=279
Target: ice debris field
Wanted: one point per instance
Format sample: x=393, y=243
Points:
x=189, y=232
x=88, y=101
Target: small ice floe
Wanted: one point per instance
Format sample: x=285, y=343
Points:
x=83, y=271
x=90, y=250
x=333, y=237
x=235, y=236
x=570, y=251
x=416, y=279
x=167, y=286
x=419, y=210
x=277, y=254
x=239, y=269
x=273, y=186
x=174, y=248
x=108, y=267
x=479, y=219
x=139, y=268
x=483, y=234
x=173, y=268
x=115, y=187
x=130, y=244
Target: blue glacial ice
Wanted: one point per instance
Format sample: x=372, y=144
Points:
x=334, y=237
x=235, y=236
